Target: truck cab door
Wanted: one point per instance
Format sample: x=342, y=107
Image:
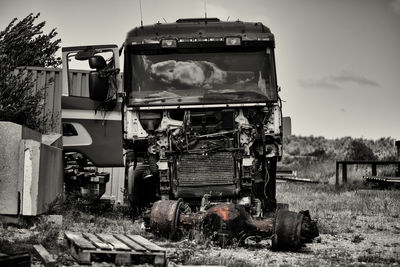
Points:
x=91, y=107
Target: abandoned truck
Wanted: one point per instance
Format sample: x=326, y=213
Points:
x=200, y=111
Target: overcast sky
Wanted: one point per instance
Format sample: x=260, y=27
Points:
x=338, y=61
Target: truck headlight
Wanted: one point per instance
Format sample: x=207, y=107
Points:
x=169, y=43
x=233, y=41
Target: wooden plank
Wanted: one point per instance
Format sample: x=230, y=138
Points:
x=130, y=243
x=45, y=256
x=41, y=80
x=96, y=241
x=79, y=240
x=34, y=79
x=20, y=260
x=49, y=104
x=145, y=243
x=118, y=245
x=40, y=68
x=57, y=101
x=51, y=87
x=41, y=87
x=122, y=259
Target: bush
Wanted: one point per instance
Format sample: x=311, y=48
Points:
x=22, y=43
x=358, y=150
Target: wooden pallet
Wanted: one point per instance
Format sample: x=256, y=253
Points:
x=15, y=260
x=121, y=249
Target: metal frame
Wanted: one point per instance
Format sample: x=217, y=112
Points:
x=373, y=164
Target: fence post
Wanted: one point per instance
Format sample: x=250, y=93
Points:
x=344, y=173
x=374, y=173
x=337, y=173
x=397, y=143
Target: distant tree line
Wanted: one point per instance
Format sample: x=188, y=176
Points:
x=345, y=148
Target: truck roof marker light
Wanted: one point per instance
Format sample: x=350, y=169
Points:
x=185, y=40
x=233, y=41
x=145, y=41
x=216, y=39
x=200, y=39
x=169, y=43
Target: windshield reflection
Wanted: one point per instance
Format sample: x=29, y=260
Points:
x=202, y=78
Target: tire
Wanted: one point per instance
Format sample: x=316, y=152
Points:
x=141, y=191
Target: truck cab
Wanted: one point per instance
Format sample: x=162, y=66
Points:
x=201, y=116
x=202, y=111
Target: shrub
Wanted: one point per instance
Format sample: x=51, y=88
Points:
x=358, y=150
x=22, y=43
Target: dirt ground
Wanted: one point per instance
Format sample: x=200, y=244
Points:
x=358, y=227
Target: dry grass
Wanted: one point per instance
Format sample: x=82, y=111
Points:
x=75, y=217
x=337, y=210
x=358, y=226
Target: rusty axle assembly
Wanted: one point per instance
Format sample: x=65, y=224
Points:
x=227, y=221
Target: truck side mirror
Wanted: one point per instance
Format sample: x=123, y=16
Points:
x=97, y=62
x=98, y=84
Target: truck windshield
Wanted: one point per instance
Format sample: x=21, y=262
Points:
x=200, y=78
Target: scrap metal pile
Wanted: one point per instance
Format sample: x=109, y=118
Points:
x=81, y=177
x=225, y=222
x=383, y=181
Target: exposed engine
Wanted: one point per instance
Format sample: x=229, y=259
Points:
x=222, y=152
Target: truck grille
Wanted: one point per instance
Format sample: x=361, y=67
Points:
x=199, y=170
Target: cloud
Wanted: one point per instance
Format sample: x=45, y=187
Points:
x=322, y=83
x=338, y=81
x=395, y=5
x=348, y=77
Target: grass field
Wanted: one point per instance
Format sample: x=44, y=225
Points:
x=358, y=227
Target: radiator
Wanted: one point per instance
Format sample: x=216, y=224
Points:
x=199, y=170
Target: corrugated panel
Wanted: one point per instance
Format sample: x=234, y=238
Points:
x=79, y=83
x=51, y=80
x=48, y=79
x=115, y=187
